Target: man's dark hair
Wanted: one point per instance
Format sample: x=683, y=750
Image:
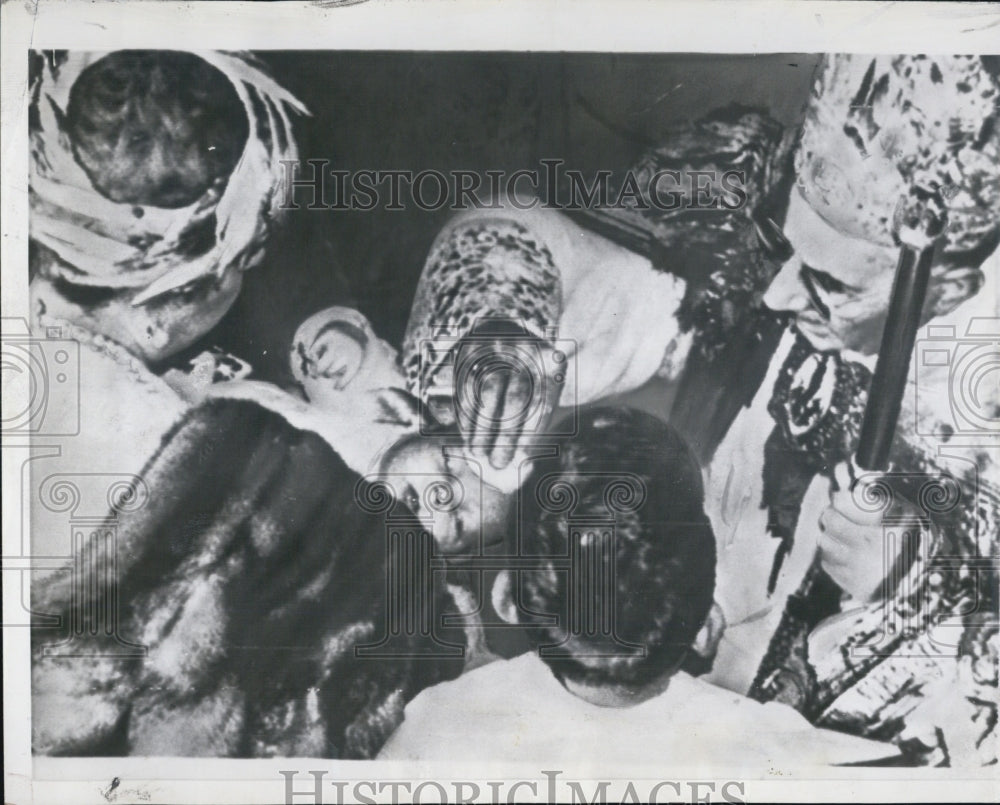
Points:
x=626, y=551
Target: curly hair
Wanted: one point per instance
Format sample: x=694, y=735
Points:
x=155, y=127
x=623, y=502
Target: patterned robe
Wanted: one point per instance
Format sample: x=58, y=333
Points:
x=937, y=670
x=918, y=666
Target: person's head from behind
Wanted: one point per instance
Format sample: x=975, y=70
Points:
x=627, y=557
x=155, y=129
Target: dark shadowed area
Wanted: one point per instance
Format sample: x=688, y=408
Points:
x=463, y=111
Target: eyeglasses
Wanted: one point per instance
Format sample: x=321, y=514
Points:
x=771, y=239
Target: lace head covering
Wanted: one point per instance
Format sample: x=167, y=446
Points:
x=107, y=244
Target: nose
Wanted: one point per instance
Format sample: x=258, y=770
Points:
x=447, y=533
x=786, y=292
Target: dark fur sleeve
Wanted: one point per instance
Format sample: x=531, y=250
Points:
x=248, y=579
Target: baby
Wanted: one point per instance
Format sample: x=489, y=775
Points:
x=351, y=393
x=612, y=612
x=349, y=388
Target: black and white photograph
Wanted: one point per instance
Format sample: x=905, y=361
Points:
x=598, y=424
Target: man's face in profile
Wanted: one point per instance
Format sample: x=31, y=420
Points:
x=837, y=286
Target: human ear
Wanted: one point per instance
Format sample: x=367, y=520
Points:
x=952, y=287
x=706, y=643
x=502, y=597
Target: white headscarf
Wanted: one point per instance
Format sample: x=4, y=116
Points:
x=115, y=245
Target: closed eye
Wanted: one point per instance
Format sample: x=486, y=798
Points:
x=827, y=282
x=411, y=499
x=818, y=283
x=772, y=240
x=814, y=297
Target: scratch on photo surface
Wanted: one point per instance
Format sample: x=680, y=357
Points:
x=659, y=99
x=875, y=14
x=984, y=27
x=334, y=3
x=109, y=793
x=115, y=793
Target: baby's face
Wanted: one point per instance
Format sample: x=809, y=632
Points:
x=336, y=350
x=435, y=483
x=330, y=361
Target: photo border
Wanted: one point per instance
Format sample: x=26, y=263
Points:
x=685, y=26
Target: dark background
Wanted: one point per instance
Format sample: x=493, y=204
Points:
x=468, y=111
